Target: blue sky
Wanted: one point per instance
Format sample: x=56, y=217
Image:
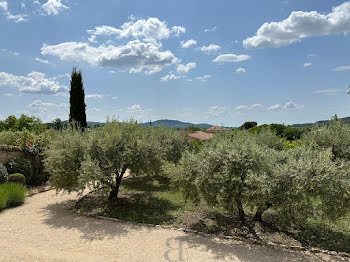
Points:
x=220, y=62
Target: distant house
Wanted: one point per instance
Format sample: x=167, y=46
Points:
x=216, y=129
x=200, y=136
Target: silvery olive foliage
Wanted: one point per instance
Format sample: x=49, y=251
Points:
x=230, y=171
x=241, y=171
x=308, y=183
x=63, y=157
x=335, y=135
x=101, y=157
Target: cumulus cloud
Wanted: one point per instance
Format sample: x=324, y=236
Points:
x=241, y=70
x=300, y=25
x=34, y=82
x=203, y=78
x=9, y=16
x=341, y=68
x=188, y=43
x=135, y=56
x=216, y=110
x=150, y=30
x=288, y=105
x=94, y=96
x=53, y=7
x=210, y=48
x=169, y=77
x=307, y=64
x=230, y=58
x=178, y=30
x=184, y=69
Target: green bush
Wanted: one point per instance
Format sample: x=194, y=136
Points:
x=17, y=178
x=3, y=174
x=12, y=194
x=21, y=166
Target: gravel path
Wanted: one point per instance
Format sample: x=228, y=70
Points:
x=46, y=229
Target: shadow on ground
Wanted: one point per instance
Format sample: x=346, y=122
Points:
x=61, y=215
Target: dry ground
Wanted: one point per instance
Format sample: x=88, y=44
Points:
x=47, y=229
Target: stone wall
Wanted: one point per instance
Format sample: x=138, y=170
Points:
x=8, y=152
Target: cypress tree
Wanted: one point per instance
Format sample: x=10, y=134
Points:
x=77, y=99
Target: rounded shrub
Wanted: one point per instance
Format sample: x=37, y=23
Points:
x=21, y=166
x=17, y=178
x=3, y=174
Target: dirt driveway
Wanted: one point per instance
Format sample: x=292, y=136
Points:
x=46, y=229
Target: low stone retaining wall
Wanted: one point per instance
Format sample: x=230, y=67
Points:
x=8, y=152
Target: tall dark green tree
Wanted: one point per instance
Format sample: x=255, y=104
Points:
x=77, y=99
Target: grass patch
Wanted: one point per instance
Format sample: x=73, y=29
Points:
x=11, y=195
x=144, y=200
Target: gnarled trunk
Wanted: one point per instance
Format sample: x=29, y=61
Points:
x=239, y=206
x=113, y=195
x=260, y=211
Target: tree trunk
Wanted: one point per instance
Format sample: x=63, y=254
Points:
x=241, y=215
x=113, y=195
x=260, y=211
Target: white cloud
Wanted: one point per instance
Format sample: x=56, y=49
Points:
x=230, y=58
x=300, y=25
x=204, y=78
x=8, y=94
x=135, y=56
x=210, y=29
x=42, y=60
x=150, y=30
x=34, y=82
x=184, y=69
x=178, y=30
x=115, y=98
x=210, y=48
x=311, y=55
x=216, y=110
x=341, y=68
x=135, y=108
x=244, y=107
x=9, y=16
x=53, y=7
x=188, y=43
x=307, y=64
x=241, y=70
x=94, y=96
x=169, y=77
x=41, y=104
x=288, y=105
x=328, y=91
x=275, y=107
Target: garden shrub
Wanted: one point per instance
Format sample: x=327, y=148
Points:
x=17, y=178
x=20, y=165
x=3, y=174
x=12, y=194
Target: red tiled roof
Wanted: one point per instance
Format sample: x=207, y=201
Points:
x=199, y=135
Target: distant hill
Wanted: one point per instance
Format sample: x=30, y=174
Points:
x=321, y=122
x=176, y=124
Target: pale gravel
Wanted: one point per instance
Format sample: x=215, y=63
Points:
x=46, y=228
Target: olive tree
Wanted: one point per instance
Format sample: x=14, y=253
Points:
x=100, y=158
x=335, y=135
x=308, y=183
x=230, y=171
